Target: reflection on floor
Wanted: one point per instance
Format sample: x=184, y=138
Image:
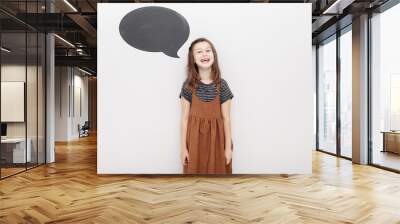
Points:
x=346, y=152
x=10, y=169
x=386, y=159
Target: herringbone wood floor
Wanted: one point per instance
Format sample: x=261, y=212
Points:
x=70, y=191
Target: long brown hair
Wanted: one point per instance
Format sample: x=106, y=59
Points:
x=193, y=77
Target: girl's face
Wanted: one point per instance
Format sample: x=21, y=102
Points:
x=203, y=55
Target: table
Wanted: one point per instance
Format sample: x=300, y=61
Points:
x=391, y=141
x=13, y=150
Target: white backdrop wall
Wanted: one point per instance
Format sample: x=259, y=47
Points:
x=265, y=55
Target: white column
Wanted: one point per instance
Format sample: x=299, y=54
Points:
x=50, y=99
x=360, y=90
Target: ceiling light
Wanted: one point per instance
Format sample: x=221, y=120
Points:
x=84, y=71
x=338, y=6
x=64, y=40
x=70, y=5
x=5, y=50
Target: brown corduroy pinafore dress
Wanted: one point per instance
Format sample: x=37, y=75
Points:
x=206, y=138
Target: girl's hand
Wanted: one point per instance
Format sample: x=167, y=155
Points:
x=228, y=156
x=184, y=156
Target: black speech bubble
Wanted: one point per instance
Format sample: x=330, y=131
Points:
x=155, y=29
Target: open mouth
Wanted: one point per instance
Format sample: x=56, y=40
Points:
x=205, y=60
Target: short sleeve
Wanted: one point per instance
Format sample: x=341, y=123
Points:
x=226, y=93
x=185, y=92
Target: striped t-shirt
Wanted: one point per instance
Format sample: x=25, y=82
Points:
x=207, y=92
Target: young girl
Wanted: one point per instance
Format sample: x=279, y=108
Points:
x=206, y=146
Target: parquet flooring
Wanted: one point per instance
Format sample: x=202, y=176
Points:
x=70, y=191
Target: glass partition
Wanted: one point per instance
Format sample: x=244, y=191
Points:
x=22, y=63
x=13, y=108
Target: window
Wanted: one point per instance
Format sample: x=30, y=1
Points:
x=346, y=93
x=385, y=89
x=327, y=96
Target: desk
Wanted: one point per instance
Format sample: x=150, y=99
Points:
x=391, y=141
x=13, y=150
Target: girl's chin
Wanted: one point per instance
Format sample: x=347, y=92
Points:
x=208, y=66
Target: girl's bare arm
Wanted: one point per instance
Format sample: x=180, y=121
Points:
x=185, y=108
x=226, y=115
